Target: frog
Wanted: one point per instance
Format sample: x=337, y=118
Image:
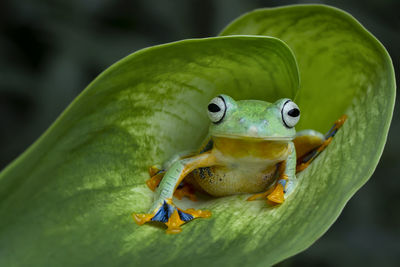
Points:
x=252, y=147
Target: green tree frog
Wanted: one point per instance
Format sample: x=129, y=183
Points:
x=252, y=147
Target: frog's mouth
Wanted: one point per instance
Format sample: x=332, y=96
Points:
x=256, y=138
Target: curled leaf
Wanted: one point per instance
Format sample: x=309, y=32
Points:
x=68, y=199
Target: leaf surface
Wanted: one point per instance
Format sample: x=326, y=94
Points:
x=68, y=199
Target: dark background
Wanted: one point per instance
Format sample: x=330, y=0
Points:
x=50, y=51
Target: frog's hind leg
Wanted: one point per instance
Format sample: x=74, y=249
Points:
x=309, y=146
x=183, y=190
x=172, y=216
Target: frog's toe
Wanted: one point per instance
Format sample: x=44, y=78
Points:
x=154, y=169
x=172, y=216
x=277, y=196
x=274, y=195
x=262, y=195
x=141, y=219
x=155, y=180
x=179, y=217
x=185, y=190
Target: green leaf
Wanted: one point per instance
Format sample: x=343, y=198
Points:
x=343, y=69
x=68, y=199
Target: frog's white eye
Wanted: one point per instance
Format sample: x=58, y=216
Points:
x=290, y=114
x=217, y=109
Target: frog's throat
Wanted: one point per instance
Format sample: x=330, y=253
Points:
x=255, y=138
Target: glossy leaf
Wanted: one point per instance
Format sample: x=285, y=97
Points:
x=68, y=199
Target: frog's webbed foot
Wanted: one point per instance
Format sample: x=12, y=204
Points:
x=274, y=195
x=172, y=216
x=183, y=190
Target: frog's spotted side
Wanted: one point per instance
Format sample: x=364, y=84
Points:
x=252, y=147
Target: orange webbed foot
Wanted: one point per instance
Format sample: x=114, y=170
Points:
x=277, y=196
x=186, y=190
x=156, y=176
x=274, y=195
x=154, y=181
x=172, y=216
x=262, y=195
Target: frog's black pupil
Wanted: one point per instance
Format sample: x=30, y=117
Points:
x=213, y=107
x=294, y=112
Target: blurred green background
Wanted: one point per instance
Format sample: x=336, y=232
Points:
x=50, y=51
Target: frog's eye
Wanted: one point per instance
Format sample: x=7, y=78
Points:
x=290, y=114
x=217, y=109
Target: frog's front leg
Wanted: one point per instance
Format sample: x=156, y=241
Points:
x=286, y=181
x=163, y=209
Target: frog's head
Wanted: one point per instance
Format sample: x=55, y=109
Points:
x=253, y=119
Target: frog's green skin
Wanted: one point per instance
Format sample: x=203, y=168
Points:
x=250, y=149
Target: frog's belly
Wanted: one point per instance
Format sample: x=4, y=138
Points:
x=223, y=181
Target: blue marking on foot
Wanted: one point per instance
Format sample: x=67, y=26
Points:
x=282, y=182
x=163, y=213
x=331, y=132
x=160, y=171
x=185, y=216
